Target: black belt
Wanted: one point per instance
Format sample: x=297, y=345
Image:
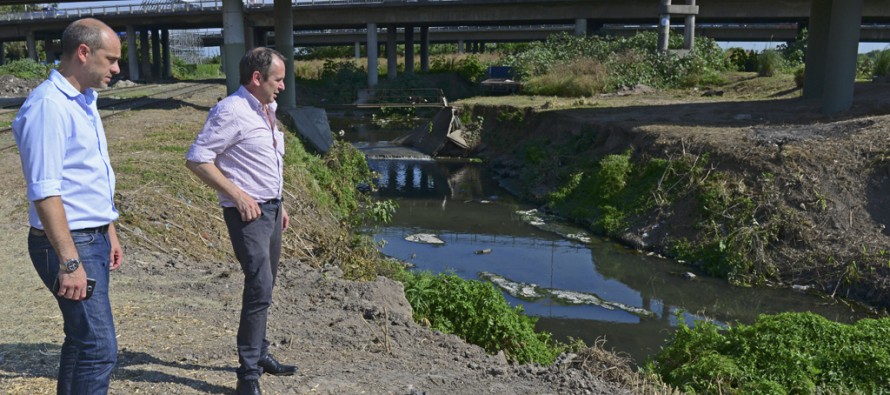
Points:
x=272, y=201
x=98, y=229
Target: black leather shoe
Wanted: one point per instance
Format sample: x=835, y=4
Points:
x=248, y=387
x=275, y=368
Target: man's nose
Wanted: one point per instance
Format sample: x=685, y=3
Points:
x=115, y=68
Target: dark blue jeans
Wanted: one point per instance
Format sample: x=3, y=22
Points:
x=257, y=246
x=89, y=351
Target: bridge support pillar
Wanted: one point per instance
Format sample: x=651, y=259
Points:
x=143, y=50
x=156, y=53
x=167, y=56
x=284, y=43
x=425, y=49
x=581, y=27
x=2, y=53
x=358, y=50
x=392, y=64
x=689, y=30
x=132, y=58
x=233, y=42
x=664, y=24
x=409, y=49
x=817, y=49
x=460, y=46
x=371, y=47
x=843, y=44
x=31, y=42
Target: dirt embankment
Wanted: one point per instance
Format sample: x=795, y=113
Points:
x=825, y=180
x=176, y=299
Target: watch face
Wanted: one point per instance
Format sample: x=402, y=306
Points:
x=72, y=265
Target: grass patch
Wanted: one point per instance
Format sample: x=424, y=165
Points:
x=780, y=354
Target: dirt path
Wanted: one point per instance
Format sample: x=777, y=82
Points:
x=177, y=316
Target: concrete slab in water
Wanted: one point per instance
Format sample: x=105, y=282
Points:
x=312, y=124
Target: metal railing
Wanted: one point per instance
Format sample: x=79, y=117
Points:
x=184, y=6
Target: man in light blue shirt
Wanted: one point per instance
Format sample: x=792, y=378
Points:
x=72, y=241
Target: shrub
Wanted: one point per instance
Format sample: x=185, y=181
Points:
x=770, y=62
x=579, y=78
x=477, y=312
x=26, y=69
x=779, y=354
x=882, y=63
x=799, y=74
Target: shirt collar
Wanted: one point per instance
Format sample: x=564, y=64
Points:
x=69, y=90
x=254, y=102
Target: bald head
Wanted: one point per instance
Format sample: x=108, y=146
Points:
x=88, y=31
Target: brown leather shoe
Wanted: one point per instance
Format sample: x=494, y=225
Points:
x=275, y=368
x=248, y=387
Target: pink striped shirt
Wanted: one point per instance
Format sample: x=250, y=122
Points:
x=245, y=144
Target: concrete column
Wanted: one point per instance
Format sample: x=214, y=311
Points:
x=409, y=49
x=371, y=46
x=482, y=47
x=843, y=44
x=132, y=58
x=460, y=46
x=392, y=64
x=31, y=42
x=250, y=38
x=358, y=50
x=144, y=61
x=425, y=49
x=689, y=30
x=233, y=42
x=817, y=49
x=156, y=53
x=167, y=71
x=664, y=27
x=284, y=43
x=581, y=27
x=2, y=53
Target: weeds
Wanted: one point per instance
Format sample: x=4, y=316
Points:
x=783, y=353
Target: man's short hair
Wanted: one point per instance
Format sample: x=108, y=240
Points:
x=257, y=59
x=82, y=31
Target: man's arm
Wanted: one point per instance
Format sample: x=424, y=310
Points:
x=52, y=215
x=210, y=174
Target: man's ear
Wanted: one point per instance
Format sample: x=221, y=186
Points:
x=256, y=79
x=82, y=52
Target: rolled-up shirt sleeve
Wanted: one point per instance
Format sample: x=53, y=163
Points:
x=42, y=136
x=220, y=131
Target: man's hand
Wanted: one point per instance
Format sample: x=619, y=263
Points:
x=117, y=253
x=285, y=219
x=248, y=207
x=73, y=285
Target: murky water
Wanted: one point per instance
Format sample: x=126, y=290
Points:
x=582, y=289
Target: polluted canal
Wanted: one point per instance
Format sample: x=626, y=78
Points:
x=453, y=217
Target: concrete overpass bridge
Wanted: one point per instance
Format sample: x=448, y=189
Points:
x=835, y=26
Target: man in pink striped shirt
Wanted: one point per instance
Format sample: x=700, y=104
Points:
x=239, y=153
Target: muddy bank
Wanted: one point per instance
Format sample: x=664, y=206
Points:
x=813, y=188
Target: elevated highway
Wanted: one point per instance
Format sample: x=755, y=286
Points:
x=835, y=25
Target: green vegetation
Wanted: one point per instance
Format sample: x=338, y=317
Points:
x=790, y=353
x=733, y=231
x=477, y=312
x=573, y=66
x=184, y=71
x=26, y=69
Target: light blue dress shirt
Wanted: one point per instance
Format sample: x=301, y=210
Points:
x=64, y=153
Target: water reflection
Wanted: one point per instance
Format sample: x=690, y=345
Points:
x=460, y=203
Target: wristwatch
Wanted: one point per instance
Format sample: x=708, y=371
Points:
x=70, y=265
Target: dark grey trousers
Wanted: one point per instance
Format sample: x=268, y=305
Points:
x=257, y=246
